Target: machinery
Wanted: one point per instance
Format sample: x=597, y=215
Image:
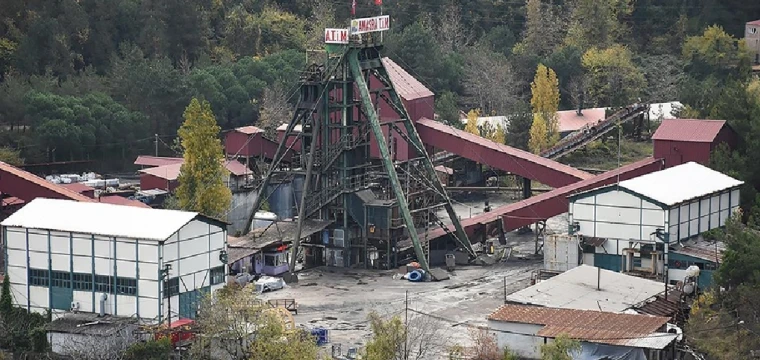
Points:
x=374, y=203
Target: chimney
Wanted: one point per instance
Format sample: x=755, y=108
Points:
x=103, y=298
x=580, y=105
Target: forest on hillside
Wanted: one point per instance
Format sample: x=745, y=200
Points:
x=98, y=79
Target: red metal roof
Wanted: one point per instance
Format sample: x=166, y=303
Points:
x=406, y=85
x=690, y=130
x=548, y=204
x=586, y=325
x=501, y=156
x=145, y=160
x=118, y=200
x=42, y=183
x=249, y=130
x=78, y=187
x=570, y=121
x=171, y=172
x=12, y=200
x=756, y=22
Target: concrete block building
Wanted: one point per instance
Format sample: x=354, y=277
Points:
x=752, y=38
x=618, y=222
x=64, y=256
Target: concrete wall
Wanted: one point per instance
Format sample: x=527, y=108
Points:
x=519, y=338
x=240, y=209
x=92, y=346
x=752, y=37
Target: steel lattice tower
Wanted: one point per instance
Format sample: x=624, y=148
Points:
x=335, y=121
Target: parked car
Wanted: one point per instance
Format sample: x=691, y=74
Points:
x=269, y=283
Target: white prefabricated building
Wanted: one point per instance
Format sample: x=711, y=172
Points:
x=63, y=255
x=683, y=201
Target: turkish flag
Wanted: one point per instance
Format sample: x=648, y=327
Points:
x=379, y=2
x=353, y=7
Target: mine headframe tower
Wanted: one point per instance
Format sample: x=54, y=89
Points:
x=376, y=206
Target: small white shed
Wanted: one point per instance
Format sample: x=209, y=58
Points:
x=683, y=201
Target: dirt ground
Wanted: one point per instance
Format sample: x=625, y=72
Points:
x=445, y=312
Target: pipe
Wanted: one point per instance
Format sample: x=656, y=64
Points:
x=103, y=298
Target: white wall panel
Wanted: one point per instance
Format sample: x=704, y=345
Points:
x=193, y=229
x=693, y=227
x=84, y=298
x=148, y=271
x=103, y=266
x=83, y=264
x=148, y=252
x=59, y=242
x=724, y=200
x=704, y=207
x=618, y=198
x=103, y=247
x=125, y=249
x=617, y=231
x=218, y=240
x=18, y=293
x=37, y=260
x=582, y=211
x=38, y=241
x=193, y=246
x=187, y=283
x=647, y=231
x=126, y=305
x=703, y=225
x=589, y=200
x=714, y=221
x=714, y=203
x=202, y=279
x=673, y=215
x=649, y=205
x=82, y=246
x=734, y=198
x=694, y=210
x=618, y=215
x=15, y=238
x=39, y=296
x=17, y=274
x=125, y=268
x=170, y=252
x=147, y=287
x=148, y=308
x=724, y=215
x=60, y=262
x=16, y=257
x=193, y=264
x=652, y=217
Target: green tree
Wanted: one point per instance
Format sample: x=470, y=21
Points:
x=715, y=51
x=11, y=156
x=387, y=338
x=201, y=180
x=544, y=102
x=613, y=79
x=518, y=129
x=6, y=301
x=447, y=109
x=561, y=348
x=596, y=23
x=740, y=260
x=150, y=350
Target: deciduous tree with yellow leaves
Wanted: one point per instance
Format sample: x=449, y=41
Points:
x=472, y=122
x=544, y=132
x=201, y=179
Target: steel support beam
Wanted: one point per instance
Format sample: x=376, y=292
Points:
x=416, y=141
x=374, y=121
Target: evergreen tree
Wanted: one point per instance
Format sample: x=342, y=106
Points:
x=201, y=179
x=6, y=301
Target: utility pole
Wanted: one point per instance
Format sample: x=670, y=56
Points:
x=166, y=271
x=155, y=141
x=406, y=322
x=505, y=290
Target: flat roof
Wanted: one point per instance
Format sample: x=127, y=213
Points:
x=680, y=183
x=100, y=219
x=577, y=289
x=632, y=330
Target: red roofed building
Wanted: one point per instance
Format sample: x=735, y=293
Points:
x=570, y=121
x=248, y=142
x=679, y=141
x=166, y=177
x=81, y=189
x=27, y=186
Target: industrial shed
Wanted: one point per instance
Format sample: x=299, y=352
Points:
x=678, y=141
x=620, y=219
x=64, y=255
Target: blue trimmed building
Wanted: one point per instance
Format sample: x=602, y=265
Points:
x=636, y=224
x=64, y=255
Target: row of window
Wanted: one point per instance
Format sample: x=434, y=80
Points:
x=171, y=287
x=83, y=282
x=683, y=264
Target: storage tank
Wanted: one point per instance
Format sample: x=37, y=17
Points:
x=298, y=182
x=281, y=200
x=262, y=219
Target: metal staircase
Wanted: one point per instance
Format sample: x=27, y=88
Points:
x=593, y=132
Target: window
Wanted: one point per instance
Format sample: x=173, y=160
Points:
x=271, y=259
x=171, y=287
x=126, y=286
x=104, y=284
x=38, y=277
x=217, y=275
x=61, y=279
x=753, y=30
x=83, y=282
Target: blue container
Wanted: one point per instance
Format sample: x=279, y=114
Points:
x=281, y=200
x=326, y=237
x=416, y=275
x=320, y=334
